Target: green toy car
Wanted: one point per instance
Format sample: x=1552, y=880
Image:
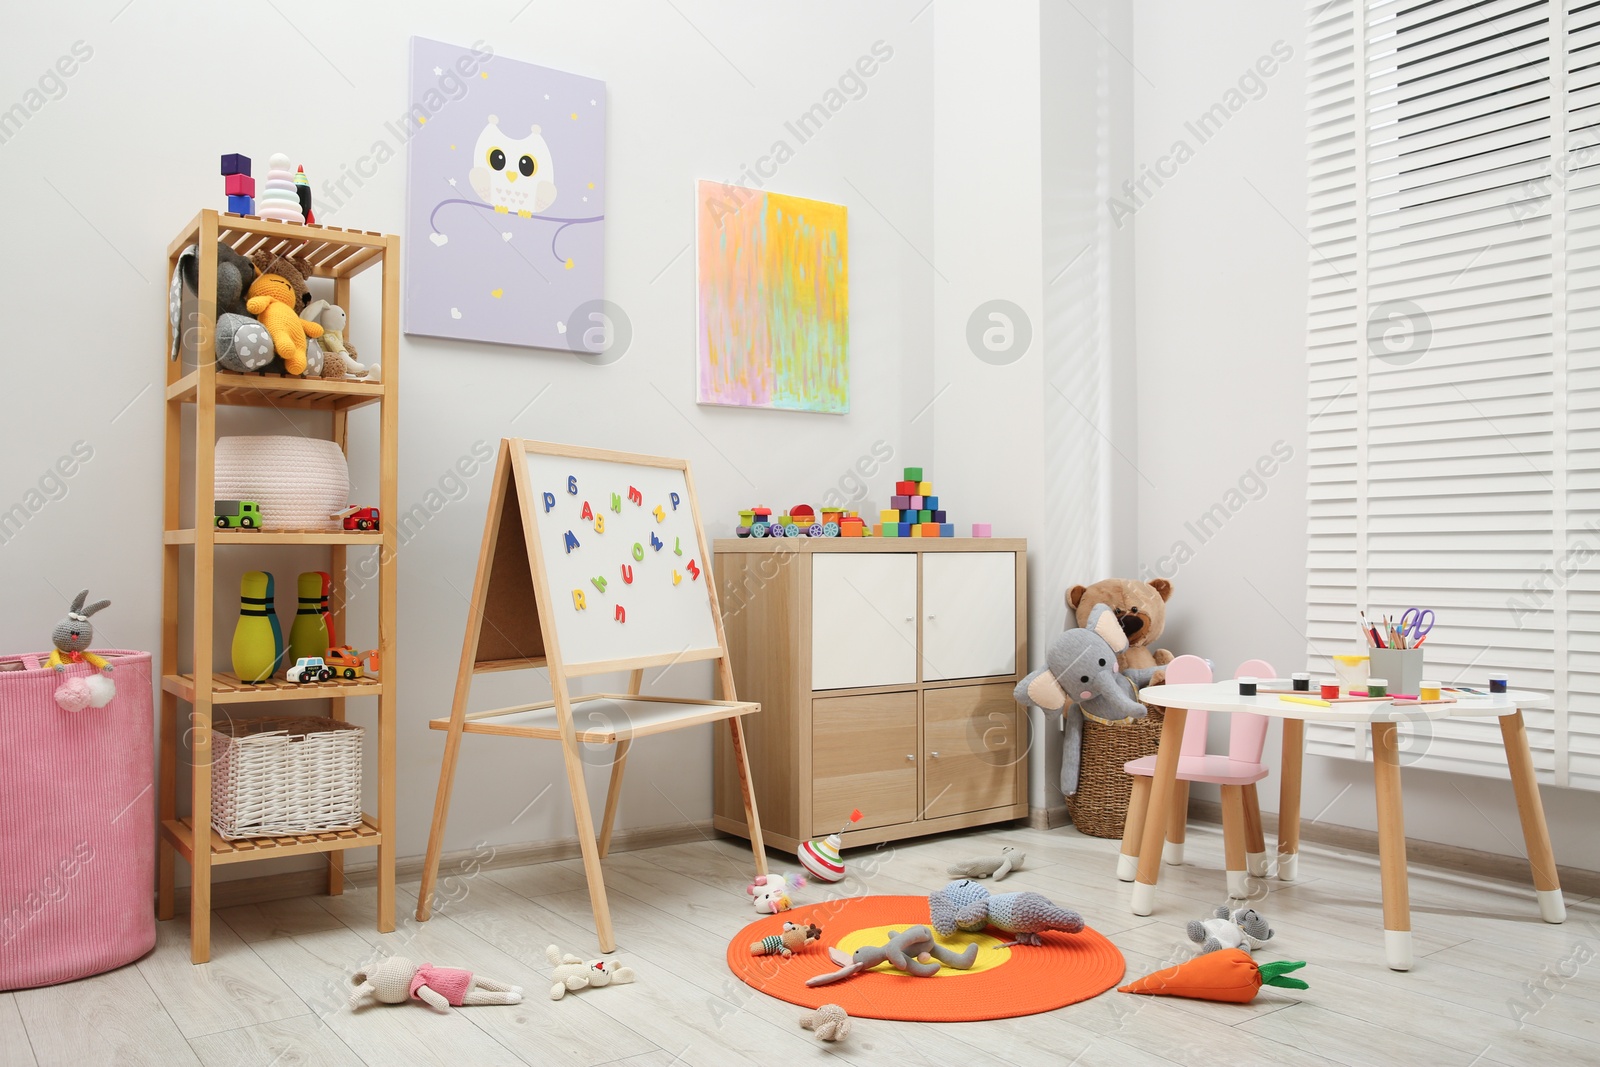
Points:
x=237, y=514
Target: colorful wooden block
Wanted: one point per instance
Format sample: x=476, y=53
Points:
x=916, y=529
x=909, y=516
x=913, y=474
x=931, y=503
x=915, y=504
x=947, y=529
x=242, y=205
x=888, y=529
x=889, y=515
x=924, y=516
x=234, y=163
x=938, y=516
x=980, y=529
x=930, y=529
x=905, y=488
x=903, y=529
x=925, y=488
x=239, y=185
x=900, y=502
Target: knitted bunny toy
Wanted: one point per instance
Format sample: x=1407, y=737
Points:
x=1244, y=929
x=913, y=951
x=575, y=974
x=396, y=979
x=338, y=354
x=771, y=892
x=996, y=867
x=72, y=637
x=829, y=1022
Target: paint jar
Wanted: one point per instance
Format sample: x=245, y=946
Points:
x=1330, y=690
x=1430, y=691
x=1247, y=687
x=1497, y=683
x=1301, y=681
x=1377, y=687
x=1352, y=672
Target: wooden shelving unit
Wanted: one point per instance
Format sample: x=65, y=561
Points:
x=338, y=255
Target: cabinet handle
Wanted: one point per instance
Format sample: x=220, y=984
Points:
x=932, y=617
x=911, y=618
x=911, y=756
x=935, y=755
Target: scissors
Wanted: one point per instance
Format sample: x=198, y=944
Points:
x=1415, y=624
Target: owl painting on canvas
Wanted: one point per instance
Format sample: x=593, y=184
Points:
x=513, y=173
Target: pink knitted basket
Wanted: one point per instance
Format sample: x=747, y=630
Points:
x=77, y=824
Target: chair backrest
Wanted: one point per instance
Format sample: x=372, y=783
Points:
x=1247, y=734
x=1191, y=670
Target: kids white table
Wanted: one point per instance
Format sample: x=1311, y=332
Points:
x=1382, y=717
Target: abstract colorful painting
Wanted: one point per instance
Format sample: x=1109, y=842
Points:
x=505, y=199
x=774, y=293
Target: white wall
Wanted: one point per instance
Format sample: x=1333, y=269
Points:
x=99, y=180
x=1221, y=269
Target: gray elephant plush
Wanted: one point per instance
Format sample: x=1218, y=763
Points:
x=242, y=343
x=1081, y=676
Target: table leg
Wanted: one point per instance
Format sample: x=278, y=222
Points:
x=1294, y=751
x=1133, y=828
x=1155, y=823
x=1177, y=826
x=1392, y=846
x=1535, y=834
x=1233, y=841
x=1255, y=838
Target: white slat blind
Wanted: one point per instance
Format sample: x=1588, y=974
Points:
x=1454, y=348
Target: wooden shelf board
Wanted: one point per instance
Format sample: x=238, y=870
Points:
x=275, y=391
x=280, y=537
x=335, y=252
x=180, y=832
x=228, y=689
x=781, y=545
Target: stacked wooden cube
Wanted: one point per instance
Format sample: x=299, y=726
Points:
x=914, y=511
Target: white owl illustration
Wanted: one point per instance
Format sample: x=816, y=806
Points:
x=513, y=174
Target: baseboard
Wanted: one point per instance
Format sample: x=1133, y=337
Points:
x=1048, y=818
x=313, y=882
x=1575, y=881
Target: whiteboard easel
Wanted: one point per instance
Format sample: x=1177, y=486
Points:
x=592, y=562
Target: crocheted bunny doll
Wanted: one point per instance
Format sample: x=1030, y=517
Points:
x=575, y=974
x=1244, y=928
x=396, y=979
x=72, y=638
x=829, y=1022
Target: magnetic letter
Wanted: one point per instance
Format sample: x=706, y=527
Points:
x=599, y=524
x=674, y=497
x=549, y=501
x=599, y=583
x=620, y=616
x=660, y=515
x=677, y=546
x=638, y=551
x=586, y=514
x=627, y=574
x=572, y=484
x=656, y=543
x=676, y=577
x=693, y=570
x=635, y=497
x=572, y=542
x=616, y=502
x=577, y=599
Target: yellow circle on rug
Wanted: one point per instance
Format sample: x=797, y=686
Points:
x=992, y=952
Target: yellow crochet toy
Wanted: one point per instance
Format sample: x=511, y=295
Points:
x=272, y=300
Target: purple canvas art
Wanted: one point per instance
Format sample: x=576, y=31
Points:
x=505, y=200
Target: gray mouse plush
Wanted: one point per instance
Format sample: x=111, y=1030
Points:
x=1242, y=928
x=1081, y=676
x=242, y=343
x=913, y=951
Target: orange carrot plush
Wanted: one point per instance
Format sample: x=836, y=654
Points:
x=1228, y=975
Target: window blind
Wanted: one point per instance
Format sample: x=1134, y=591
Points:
x=1454, y=347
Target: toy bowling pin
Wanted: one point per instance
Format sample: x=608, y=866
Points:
x=257, y=639
x=309, y=635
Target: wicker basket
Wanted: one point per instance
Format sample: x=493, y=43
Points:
x=285, y=776
x=1100, y=806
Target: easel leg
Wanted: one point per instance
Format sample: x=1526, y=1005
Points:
x=587, y=844
x=441, y=811
x=1535, y=833
x=752, y=818
x=619, y=763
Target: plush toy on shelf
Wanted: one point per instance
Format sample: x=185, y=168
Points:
x=1243, y=928
x=966, y=905
x=272, y=300
x=338, y=354
x=72, y=637
x=829, y=1022
x=242, y=344
x=996, y=867
x=574, y=974
x=771, y=892
x=913, y=951
x=795, y=937
x=1230, y=976
x=821, y=856
x=396, y=980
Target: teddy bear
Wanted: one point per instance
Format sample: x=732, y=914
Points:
x=272, y=300
x=397, y=979
x=572, y=973
x=1141, y=610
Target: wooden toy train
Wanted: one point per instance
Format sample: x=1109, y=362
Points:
x=801, y=521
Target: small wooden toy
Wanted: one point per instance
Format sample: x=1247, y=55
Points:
x=234, y=163
x=241, y=205
x=308, y=669
x=237, y=514
x=302, y=188
x=239, y=185
x=258, y=638
x=346, y=662
x=358, y=518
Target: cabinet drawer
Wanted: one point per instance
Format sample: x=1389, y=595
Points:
x=969, y=615
x=863, y=755
x=973, y=738
x=863, y=620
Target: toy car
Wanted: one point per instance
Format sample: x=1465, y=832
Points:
x=308, y=669
x=237, y=514
x=346, y=662
x=359, y=518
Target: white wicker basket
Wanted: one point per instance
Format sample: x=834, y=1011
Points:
x=297, y=481
x=274, y=777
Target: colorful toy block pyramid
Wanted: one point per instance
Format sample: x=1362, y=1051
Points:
x=237, y=184
x=913, y=510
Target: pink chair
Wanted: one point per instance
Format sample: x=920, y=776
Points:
x=1237, y=773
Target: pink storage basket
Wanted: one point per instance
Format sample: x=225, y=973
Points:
x=77, y=824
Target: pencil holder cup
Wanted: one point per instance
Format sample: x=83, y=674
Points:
x=1401, y=666
x=1352, y=673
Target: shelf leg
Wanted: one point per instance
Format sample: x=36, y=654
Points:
x=167, y=808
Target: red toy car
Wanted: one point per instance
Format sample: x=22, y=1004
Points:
x=360, y=518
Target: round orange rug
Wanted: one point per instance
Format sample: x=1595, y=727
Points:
x=1002, y=984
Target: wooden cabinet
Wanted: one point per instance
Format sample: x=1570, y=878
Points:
x=884, y=669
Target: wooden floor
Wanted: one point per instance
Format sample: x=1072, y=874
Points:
x=1492, y=984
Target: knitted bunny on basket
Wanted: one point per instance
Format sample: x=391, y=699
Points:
x=396, y=979
x=575, y=974
x=72, y=637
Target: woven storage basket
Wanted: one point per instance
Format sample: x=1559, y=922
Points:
x=285, y=776
x=298, y=482
x=1100, y=806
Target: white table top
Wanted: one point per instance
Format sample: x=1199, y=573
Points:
x=1224, y=696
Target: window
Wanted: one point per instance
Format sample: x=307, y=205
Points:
x=1454, y=348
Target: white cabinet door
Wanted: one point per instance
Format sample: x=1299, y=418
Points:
x=863, y=619
x=969, y=614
